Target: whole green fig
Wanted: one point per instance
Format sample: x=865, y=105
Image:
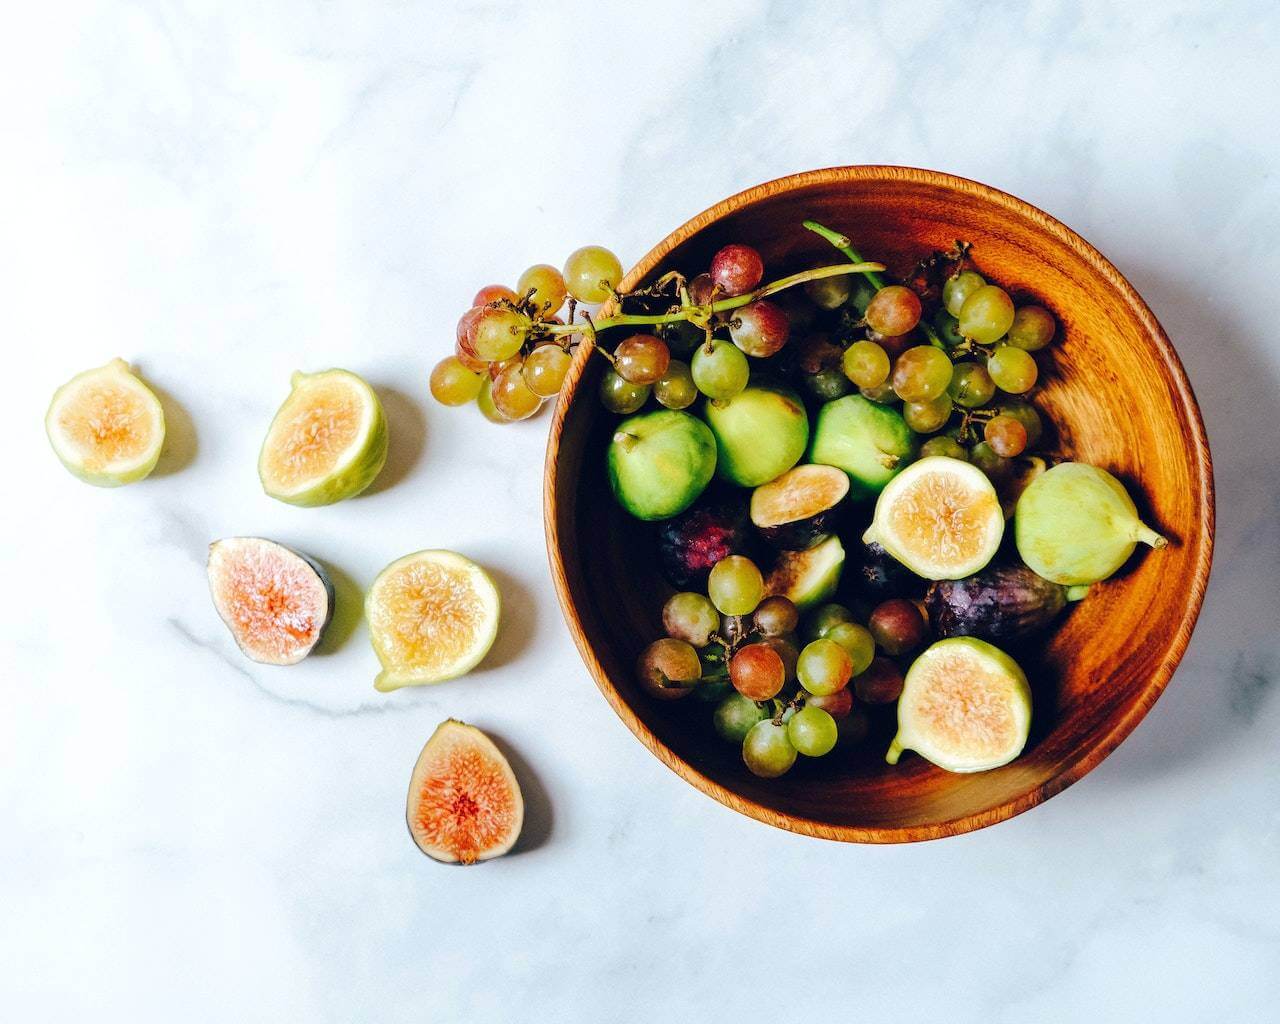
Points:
x=1076, y=524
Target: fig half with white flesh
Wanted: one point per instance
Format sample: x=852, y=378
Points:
x=106, y=426
x=807, y=578
x=965, y=706
x=276, y=601
x=799, y=509
x=940, y=517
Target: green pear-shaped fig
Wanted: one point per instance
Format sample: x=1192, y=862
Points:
x=1075, y=524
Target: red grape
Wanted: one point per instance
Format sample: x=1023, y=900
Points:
x=736, y=269
x=759, y=329
x=757, y=672
x=881, y=683
x=897, y=626
x=894, y=310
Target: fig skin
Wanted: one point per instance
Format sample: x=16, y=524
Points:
x=691, y=543
x=792, y=495
x=999, y=604
x=878, y=575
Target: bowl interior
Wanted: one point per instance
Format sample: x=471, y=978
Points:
x=1116, y=396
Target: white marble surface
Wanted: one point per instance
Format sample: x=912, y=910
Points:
x=224, y=192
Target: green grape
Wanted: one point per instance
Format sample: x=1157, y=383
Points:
x=829, y=292
x=641, y=359
x=926, y=417
x=676, y=389
x=828, y=384
x=453, y=384
x=777, y=616
x=857, y=642
x=971, y=386
x=985, y=458
x=735, y=715
x=1024, y=413
x=464, y=344
x=986, y=315
x=690, y=617
x=866, y=364
x=921, y=373
x=499, y=333
x=861, y=294
x=1006, y=435
x=958, y=288
x=767, y=751
x=721, y=371
x=948, y=328
x=946, y=446
x=1033, y=328
x=668, y=669
x=735, y=585
x=824, y=666
x=621, y=396
x=895, y=309
x=1012, y=369
x=824, y=617
x=485, y=401
x=682, y=337
x=547, y=285
x=882, y=395
x=512, y=396
x=592, y=273
x=545, y=368
x=757, y=672
x=812, y=731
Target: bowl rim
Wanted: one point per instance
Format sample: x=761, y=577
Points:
x=1181, y=633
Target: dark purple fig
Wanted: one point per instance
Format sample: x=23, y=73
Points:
x=691, y=543
x=799, y=509
x=879, y=576
x=1000, y=603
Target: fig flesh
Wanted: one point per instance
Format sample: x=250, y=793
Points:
x=1001, y=603
x=694, y=541
x=799, y=509
x=965, y=706
x=275, y=601
x=807, y=578
x=1076, y=524
x=106, y=426
x=464, y=801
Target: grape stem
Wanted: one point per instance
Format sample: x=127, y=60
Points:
x=689, y=312
x=843, y=243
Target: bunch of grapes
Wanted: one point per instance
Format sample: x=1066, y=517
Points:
x=513, y=350
x=778, y=695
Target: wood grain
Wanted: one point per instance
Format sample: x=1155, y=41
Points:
x=1118, y=397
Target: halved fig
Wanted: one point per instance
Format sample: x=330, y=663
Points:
x=940, y=517
x=433, y=615
x=965, y=706
x=328, y=441
x=276, y=601
x=106, y=426
x=807, y=578
x=464, y=801
x=799, y=509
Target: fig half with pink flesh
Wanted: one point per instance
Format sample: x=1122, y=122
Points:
x=275, y=601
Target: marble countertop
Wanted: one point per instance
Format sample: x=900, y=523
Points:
x=225, y=192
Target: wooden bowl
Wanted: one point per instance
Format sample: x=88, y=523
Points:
x=1115, y=392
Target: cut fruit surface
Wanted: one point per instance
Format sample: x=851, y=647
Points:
x=807, y=578
x=106, y=426
x=276, y=602
x=464, y=803
x=965, y=706
x=798, y=509
x=432, y=616
x=940, y=517
x=328, y=440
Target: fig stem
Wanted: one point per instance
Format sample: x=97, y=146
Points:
x=1146, y=535
x=1078, y=592
x=626, y=440
x=894, y=752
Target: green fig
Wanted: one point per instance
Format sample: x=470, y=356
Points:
x=1075, y=524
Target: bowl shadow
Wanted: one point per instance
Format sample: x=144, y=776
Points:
x=180, y=443
x=1234, y=670
x=407, y=429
